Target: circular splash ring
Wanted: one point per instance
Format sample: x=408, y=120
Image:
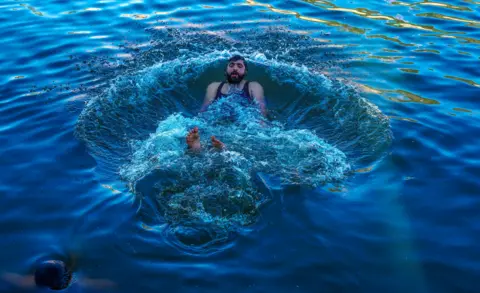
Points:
x=134, y=126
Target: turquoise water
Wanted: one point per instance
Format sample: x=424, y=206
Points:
x=364, y=176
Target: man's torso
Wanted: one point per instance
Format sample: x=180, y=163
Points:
x=223, y=90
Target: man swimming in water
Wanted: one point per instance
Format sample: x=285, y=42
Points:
x=55, y=275
x=235, y=72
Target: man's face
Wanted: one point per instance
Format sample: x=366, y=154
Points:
x=235, y=71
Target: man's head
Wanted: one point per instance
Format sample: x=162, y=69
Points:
x=236, y=69
x=52, y=274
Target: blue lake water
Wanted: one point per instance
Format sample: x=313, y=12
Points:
x=368, y=180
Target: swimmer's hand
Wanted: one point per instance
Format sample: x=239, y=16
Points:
x=19, y=280
x=96, y=283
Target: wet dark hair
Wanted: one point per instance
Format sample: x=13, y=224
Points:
x=53, y=274
x=236, y=58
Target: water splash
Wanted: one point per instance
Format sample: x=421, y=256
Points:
x=318, y=130
x=215, y=189
x=252, y=143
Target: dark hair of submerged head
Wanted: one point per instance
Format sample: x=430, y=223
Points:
x=53, y=274
x=236, y=58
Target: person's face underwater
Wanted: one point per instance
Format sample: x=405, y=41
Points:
x=235, y=71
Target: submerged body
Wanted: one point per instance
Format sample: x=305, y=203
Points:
x=55, y=275
x=252, y=91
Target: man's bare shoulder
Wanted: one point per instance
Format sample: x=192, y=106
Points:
x=255, y=84
x=214, y=84
x=211, y=91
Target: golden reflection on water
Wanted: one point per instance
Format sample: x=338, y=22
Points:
x=322, y=40
x=397, y=95
x=368, y=89
x=446, y=17
x=398, y=22
x=409, y=70
x=432, y=3
x=32, y=9
x=403, y=119
x=307, y=18
x=386, y=58
x=340, y=189
x=364, y=170
x=408, y=97
x=392, y=21
x=146, y=227
x=462, y=110
x=396, y=40
x=444, y=5
x=474, y=25
x=462, y=39
x=135, y=16
x=362, y=53
x=109, y=187
x=467, y=81
x=390, y=50
x=402, y=96
x=427, y=51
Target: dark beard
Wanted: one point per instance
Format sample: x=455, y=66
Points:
x=236, y=80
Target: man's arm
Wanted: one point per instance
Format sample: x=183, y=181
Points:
x=27, y=281
x=209, y=95
x=256, y=90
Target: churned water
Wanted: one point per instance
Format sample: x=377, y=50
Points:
x=363, y=177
